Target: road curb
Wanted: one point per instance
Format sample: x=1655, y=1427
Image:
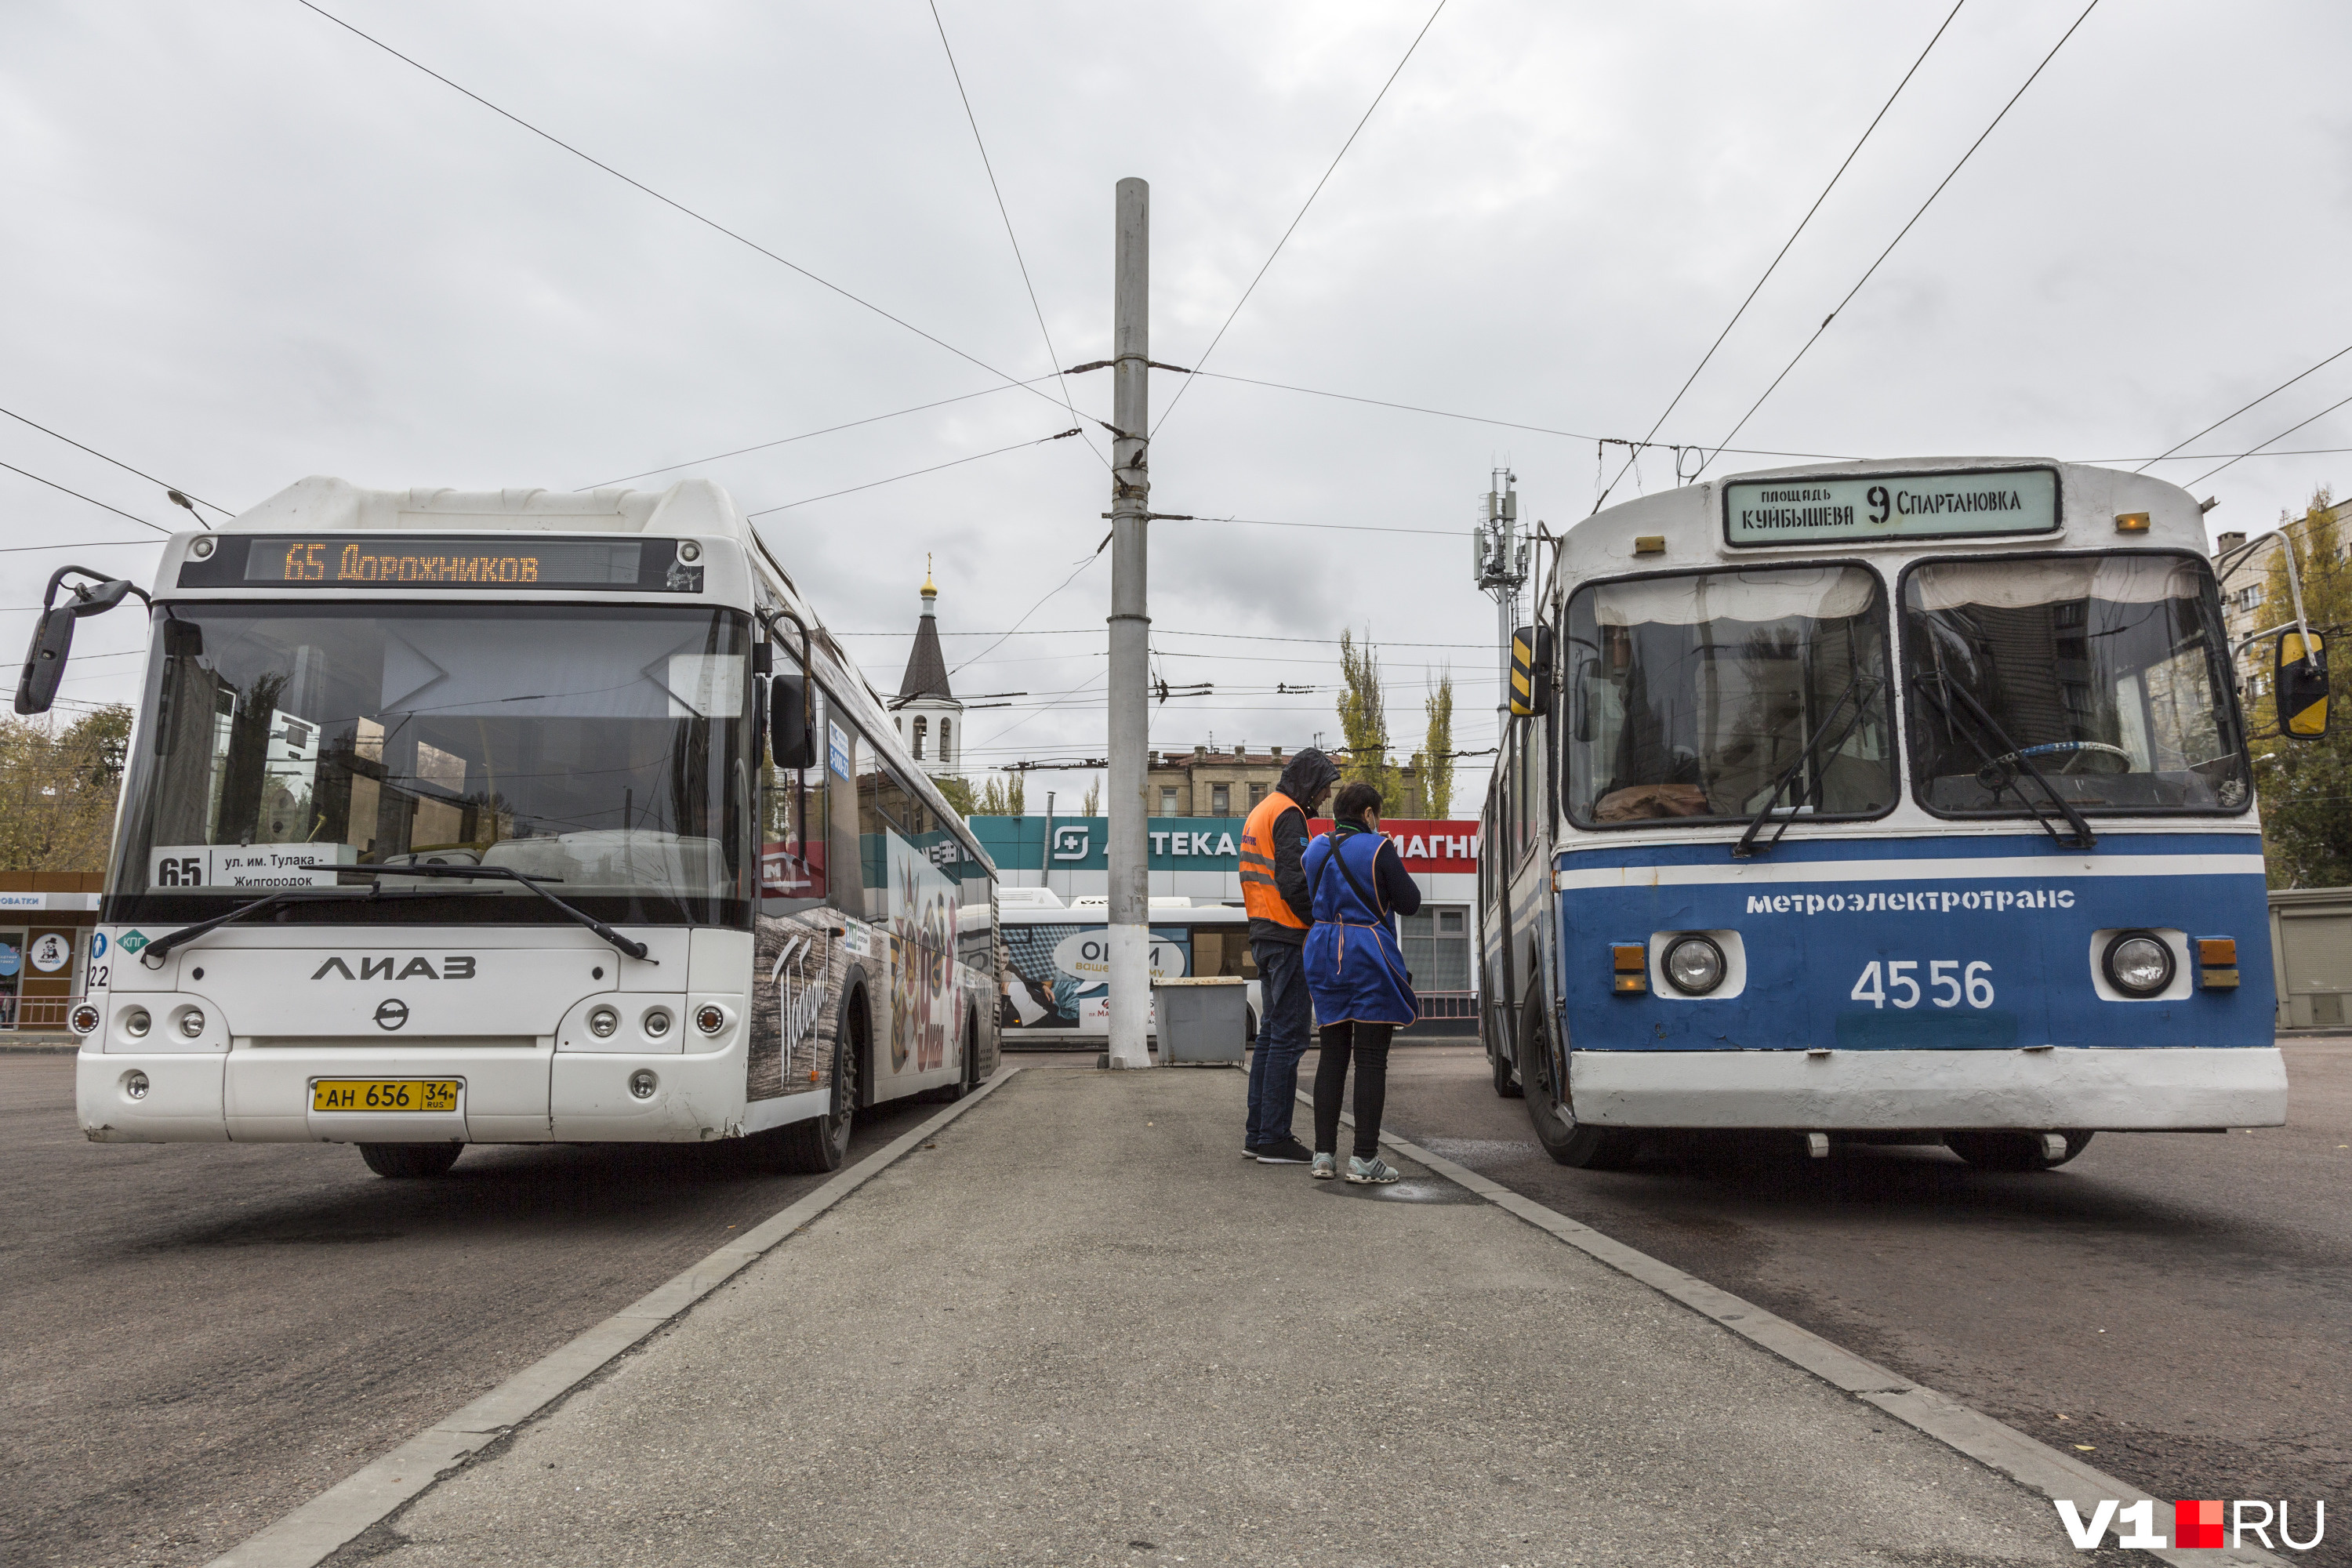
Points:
x=328, y=1522
x=2030, y=1463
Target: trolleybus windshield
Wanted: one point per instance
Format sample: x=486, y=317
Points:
x=1693, y=695
x=2105, y=672
x=604, y=749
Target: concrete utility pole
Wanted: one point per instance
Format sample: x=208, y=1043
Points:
x=1501, y=561
x=1130, y=497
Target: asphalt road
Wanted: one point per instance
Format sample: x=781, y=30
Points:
x=2178, y=1307
x=194, y=1337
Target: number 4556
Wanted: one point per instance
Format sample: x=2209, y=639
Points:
x=1950, y=981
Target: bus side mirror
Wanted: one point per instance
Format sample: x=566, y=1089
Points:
x=788, y=727
x=45, y=661
x=1531, y=672
x=2300, y=686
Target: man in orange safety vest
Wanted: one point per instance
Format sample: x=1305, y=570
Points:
x=1274, y=893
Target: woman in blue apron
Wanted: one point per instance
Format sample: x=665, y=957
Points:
x=1355, y=974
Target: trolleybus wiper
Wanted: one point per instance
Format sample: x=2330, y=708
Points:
x=162, y=945
x=635, y=949
x=1748, y=844
x=2083, y=837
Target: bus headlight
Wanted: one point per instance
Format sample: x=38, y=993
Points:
x=603, y=1021
x=2137, y=964
x=641, y=1083
x=136, y=1023
x=657, y=1023
x=134, y=1084
x=1694, y=965
x=191, y=1023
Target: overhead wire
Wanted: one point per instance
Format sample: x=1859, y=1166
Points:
x=672, y=202
x=1052, y=357
x=2266, y=397
x=170, y=489
x=92, y=500
x=811, y=434
x=2280, y=436
x=912, y=473
x=1891, y=244
x=1203, y=357
x=1783, y=251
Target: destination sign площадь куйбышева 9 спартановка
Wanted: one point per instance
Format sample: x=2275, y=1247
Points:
x=1891, y=506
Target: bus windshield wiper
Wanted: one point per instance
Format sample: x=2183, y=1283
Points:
x=1748, y=844
x=509, y=873
x=1990, y=774
x=162, y=945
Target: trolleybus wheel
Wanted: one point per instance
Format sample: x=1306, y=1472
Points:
x=968, y=1079
x=822, y=1143
x=1554, y=1116
x=2013, y=1151
x=411, y=1159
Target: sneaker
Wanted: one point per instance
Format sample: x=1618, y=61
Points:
x=1375, y=1170
x=1249, y=1151
x=1326, y=1167
x=1285, y=1152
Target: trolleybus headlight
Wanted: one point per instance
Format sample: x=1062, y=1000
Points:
x=136, y=1023
x=1694, y=965
x=83, y=1020
x=711, y=1017
x=2138, y=964
x=134, y=1084
x=658, y=1023
x=191, y=1022
x=602, y=1022
x=641, y=1083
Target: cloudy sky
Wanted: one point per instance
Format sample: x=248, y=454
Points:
x=244, y=245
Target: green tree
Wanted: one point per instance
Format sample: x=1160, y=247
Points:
x=58, y=790
x=958, y=794
x=1091, y=806
x=1363, y=717
x=1436, y=759
x=2305, y=786
x=1003, y=796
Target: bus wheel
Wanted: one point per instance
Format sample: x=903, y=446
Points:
x=2013, y=1151
x=411, y=1159
x=822, y=1143
x=1554, y=1116
x=968, y=1079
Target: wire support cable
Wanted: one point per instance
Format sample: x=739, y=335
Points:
x=92, y=500
x=915, y=473
x=173, y=490
x=1301, y=214
x=2280, y=436
x=1891, y=244
x=1783, y=251
x=671, y=202
x=1018, y=260
x=2266, y=397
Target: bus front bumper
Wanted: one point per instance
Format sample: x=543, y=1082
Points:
x=2073, y=1088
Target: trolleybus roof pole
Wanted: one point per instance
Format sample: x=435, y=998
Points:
x=1131, y=499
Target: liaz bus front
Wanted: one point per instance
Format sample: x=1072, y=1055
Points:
x=1902, y=798
x=437, y=827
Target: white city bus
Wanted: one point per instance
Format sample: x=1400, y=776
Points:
x=514, y=818
x=1057, y=975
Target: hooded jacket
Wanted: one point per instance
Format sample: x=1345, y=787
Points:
x=1307, y=775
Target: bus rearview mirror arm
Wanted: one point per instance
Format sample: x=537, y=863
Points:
x=45, y=660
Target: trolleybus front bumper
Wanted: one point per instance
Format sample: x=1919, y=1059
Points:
x=2075, y=1087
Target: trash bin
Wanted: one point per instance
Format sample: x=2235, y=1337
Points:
x=1202, y=1022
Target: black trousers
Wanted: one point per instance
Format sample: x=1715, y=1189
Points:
x=1369, y=1044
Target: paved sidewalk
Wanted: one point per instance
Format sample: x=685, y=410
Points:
x=1080, y=1329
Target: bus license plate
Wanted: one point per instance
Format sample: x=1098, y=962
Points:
x=384, y=1094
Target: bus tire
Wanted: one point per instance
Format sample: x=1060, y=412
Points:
x=407, y=1160
x=968, y=1078
x=1507, y=1080
x=1553, y=1114
x=2011, y=1150
x=822, y=1143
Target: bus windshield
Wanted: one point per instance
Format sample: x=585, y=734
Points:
x=1692, y=698
x=604, y=749
x=2105, y=674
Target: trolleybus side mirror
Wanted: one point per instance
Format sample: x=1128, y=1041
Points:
x=45, y=660
x=788, y=727
x=2301, y=686
x=1531, y=672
